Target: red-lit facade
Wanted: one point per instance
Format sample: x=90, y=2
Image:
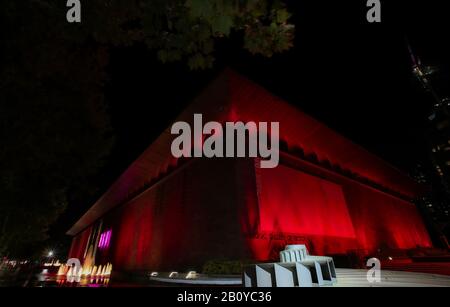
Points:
x=328, y=193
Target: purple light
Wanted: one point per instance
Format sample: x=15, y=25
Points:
x=105, y=238
x=102, y=240
x=108, y=237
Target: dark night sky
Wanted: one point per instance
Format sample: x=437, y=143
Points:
x=353, y=76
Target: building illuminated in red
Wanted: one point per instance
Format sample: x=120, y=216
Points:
x=327, y=192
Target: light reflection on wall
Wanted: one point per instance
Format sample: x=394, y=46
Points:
x=105, y=239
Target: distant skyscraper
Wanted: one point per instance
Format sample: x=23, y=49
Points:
x=439, y=121
x=438, y=136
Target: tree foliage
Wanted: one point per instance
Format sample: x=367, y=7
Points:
x=188, y=29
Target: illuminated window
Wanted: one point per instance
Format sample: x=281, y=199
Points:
x=105, y=238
